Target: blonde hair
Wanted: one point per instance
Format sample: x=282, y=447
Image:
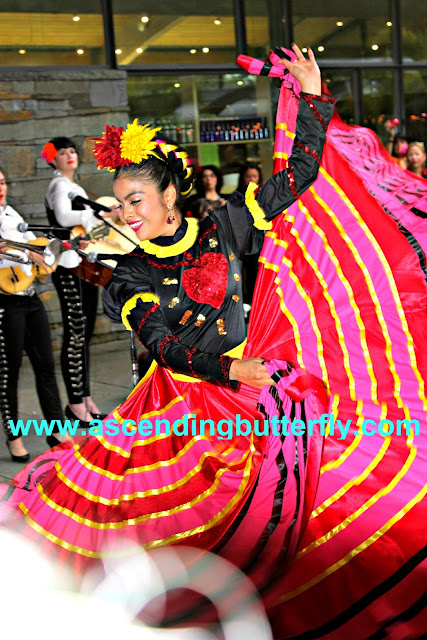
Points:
x=419, y=145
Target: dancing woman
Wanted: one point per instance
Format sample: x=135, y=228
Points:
x=245, y=494
x=181, y=292
x=78, y=298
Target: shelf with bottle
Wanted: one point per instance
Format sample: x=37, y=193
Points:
x=181, y=132
x=233, y=129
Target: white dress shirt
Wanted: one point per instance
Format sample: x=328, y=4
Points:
x=9, y=220
x=57, y=199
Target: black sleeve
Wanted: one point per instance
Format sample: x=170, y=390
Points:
x=151, y=326
x=283, y=188
x=244, y=218
x=129, y=298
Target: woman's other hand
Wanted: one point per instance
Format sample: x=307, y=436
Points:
x=305, y=71
x=251, y=371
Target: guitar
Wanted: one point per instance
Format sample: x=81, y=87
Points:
x=14, y=280
x=112, y=243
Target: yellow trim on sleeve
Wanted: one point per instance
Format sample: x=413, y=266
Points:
x=132, y=302
x=254, y=209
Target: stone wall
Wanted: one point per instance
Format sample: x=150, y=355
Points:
x=37, y=105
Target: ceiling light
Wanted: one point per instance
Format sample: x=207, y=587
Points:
x=145, y=19
x=193, y=50
x=389, y=24
x=139, y=50
x=321, y=48
x=217, y=21
x=76, y=18
x=304, y=49
x=205, y=49
x=375, y=47
x=80, y=51
x=118, y=51
x=22, y=51
x=177, y=85
x=339, y=23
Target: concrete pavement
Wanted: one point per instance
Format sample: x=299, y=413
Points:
x=111, y=383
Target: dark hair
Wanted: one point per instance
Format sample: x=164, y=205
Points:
x=152, y=170
x=397, y=138
x=61, y=142
x=199, y=183
x=169, y=170
x=248, y=165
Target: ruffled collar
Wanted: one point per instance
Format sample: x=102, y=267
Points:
x=167, y=246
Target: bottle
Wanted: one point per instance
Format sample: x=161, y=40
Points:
x=266, y=131
x=221, y=131
x=189, y=134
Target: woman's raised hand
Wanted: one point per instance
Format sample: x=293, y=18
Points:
x=251, y=371
x=305, y=71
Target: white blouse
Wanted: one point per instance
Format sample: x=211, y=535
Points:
x=57, y=199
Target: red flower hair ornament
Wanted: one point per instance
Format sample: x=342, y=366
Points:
x=49, y=152
x=107, y=149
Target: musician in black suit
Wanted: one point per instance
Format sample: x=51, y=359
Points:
x=23, y=327
x=78, y=298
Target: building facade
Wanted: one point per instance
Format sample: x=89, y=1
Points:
x=68, y=68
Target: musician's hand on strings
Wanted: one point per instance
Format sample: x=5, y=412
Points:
x=83, y=244
x=305, y=71
x=38, y=259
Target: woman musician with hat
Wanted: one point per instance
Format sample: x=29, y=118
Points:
x=24, y=327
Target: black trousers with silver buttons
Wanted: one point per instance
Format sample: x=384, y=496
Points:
x=79, y=303
x=24, y=327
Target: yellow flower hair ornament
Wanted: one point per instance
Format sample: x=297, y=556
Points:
x=137, y=142
x=119, y=148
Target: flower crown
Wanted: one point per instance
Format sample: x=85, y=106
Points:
x=119, y=148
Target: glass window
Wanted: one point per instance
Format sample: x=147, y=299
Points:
x=164, y=101
x=378, y=100
x=52, y=33
x=340, y=84
x=257, y=31
x=170, y=33
x=414, y=30
x=415, y=83
x=358, y=30
x=223, y=120
x=235, y=113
